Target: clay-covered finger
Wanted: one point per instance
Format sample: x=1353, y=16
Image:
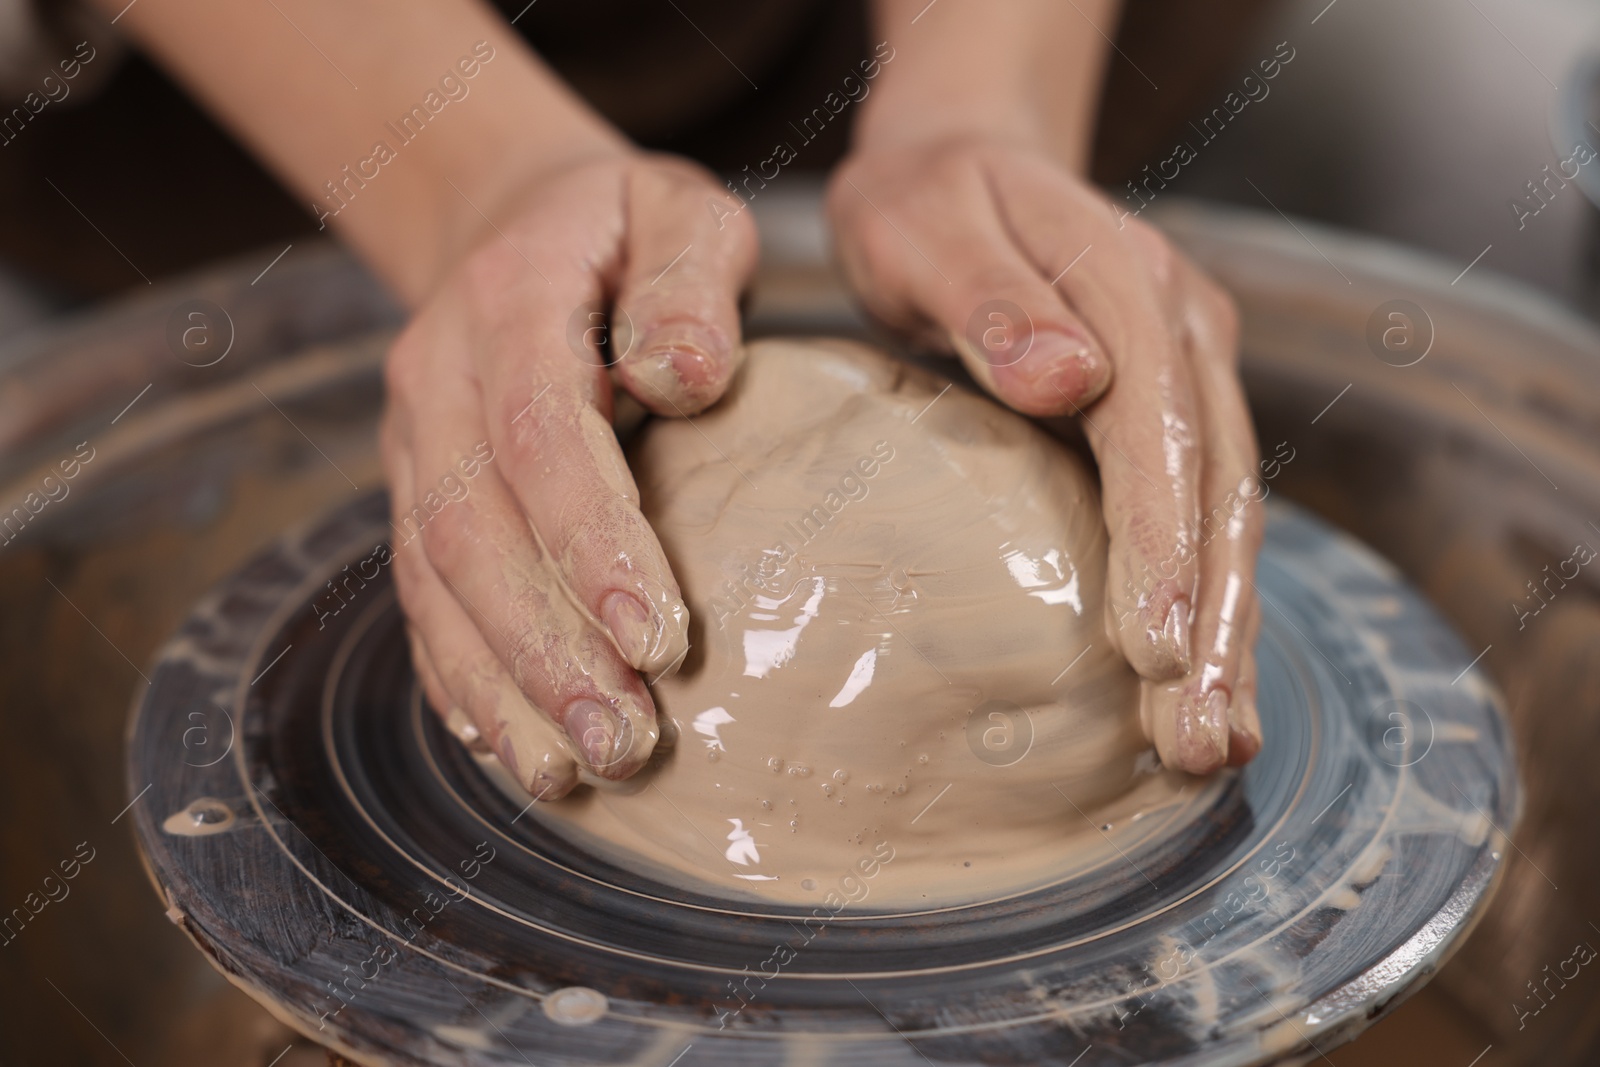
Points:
x=1244, y=717
x=552, y=443
x=550, y=440
x=1228, y=537
x=479, y=540
x=483, y=548
x=479, y=686
x=946, y=256
x=394, y=446
x=1143, y=431
x=1147, y=442
x=572, y=482
x=433, y=687
x=1013, y=331
x=675, y=323
x=461, y=724
x=476, y=688
x=1233, y=474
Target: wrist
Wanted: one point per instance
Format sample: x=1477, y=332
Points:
x=918, y=125
x=445, y=173
x=1026, y=72
x=473, y=205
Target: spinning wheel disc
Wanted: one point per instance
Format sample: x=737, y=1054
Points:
x=337, y=853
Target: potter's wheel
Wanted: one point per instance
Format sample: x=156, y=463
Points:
x=307, y=854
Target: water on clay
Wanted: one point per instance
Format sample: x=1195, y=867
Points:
x=899, y=682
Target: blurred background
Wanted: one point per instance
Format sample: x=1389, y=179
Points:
x=1416, y=120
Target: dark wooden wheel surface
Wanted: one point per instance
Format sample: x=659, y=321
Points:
x=338, y=854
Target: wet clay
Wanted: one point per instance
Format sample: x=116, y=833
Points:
x=898, y=682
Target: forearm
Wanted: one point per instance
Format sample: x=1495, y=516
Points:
x=316, y=87
x=1024, y=70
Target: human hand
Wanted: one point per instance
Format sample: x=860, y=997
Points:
x=1103, y=319
x=533, y=587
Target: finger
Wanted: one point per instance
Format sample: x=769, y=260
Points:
x=477, y=538
x=455, y=718
x=395, y=451
x=953, y=262
x=547, y=413
x=1143, y=431
x=477, y=687
x=1228, y=536
x=482, y=548
x=1145, y=438
x=1244, y=719
x=478, y=684
x=690, y=251
x=572, y=481
x=439, y=700
x=1228, y=624
x=432, y=685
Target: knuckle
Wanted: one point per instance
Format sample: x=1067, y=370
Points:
x=1219, y=309
x=954, y=161
x=879, y=276
x=1228, y=322
x=417, y=599
x=1160, y=258
x=990, y=279
x=674, y=175
x=408, y=584
x=478, y=681
x=447, y=532
x=541, y=431
x=681, y=187
x=742, y=241
x=689, y=306
x=879, y=245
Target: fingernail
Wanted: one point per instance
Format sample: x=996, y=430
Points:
x=508, y=756
x=1076, y=372
x=652, y=639
x=1202, y=732
x=1171, y=641
x=1244, y=739
x=597, y=730
x=551, y=787
x=1045, y=356
x=629, y=622
x=678, y=363
x=1215, y=720
x=672, y=637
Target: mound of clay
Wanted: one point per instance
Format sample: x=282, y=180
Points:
x=898, y=684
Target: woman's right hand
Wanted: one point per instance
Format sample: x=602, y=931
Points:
x=1139, y=344
x=534, y=589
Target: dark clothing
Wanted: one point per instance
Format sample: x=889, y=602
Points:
x=717, y=80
